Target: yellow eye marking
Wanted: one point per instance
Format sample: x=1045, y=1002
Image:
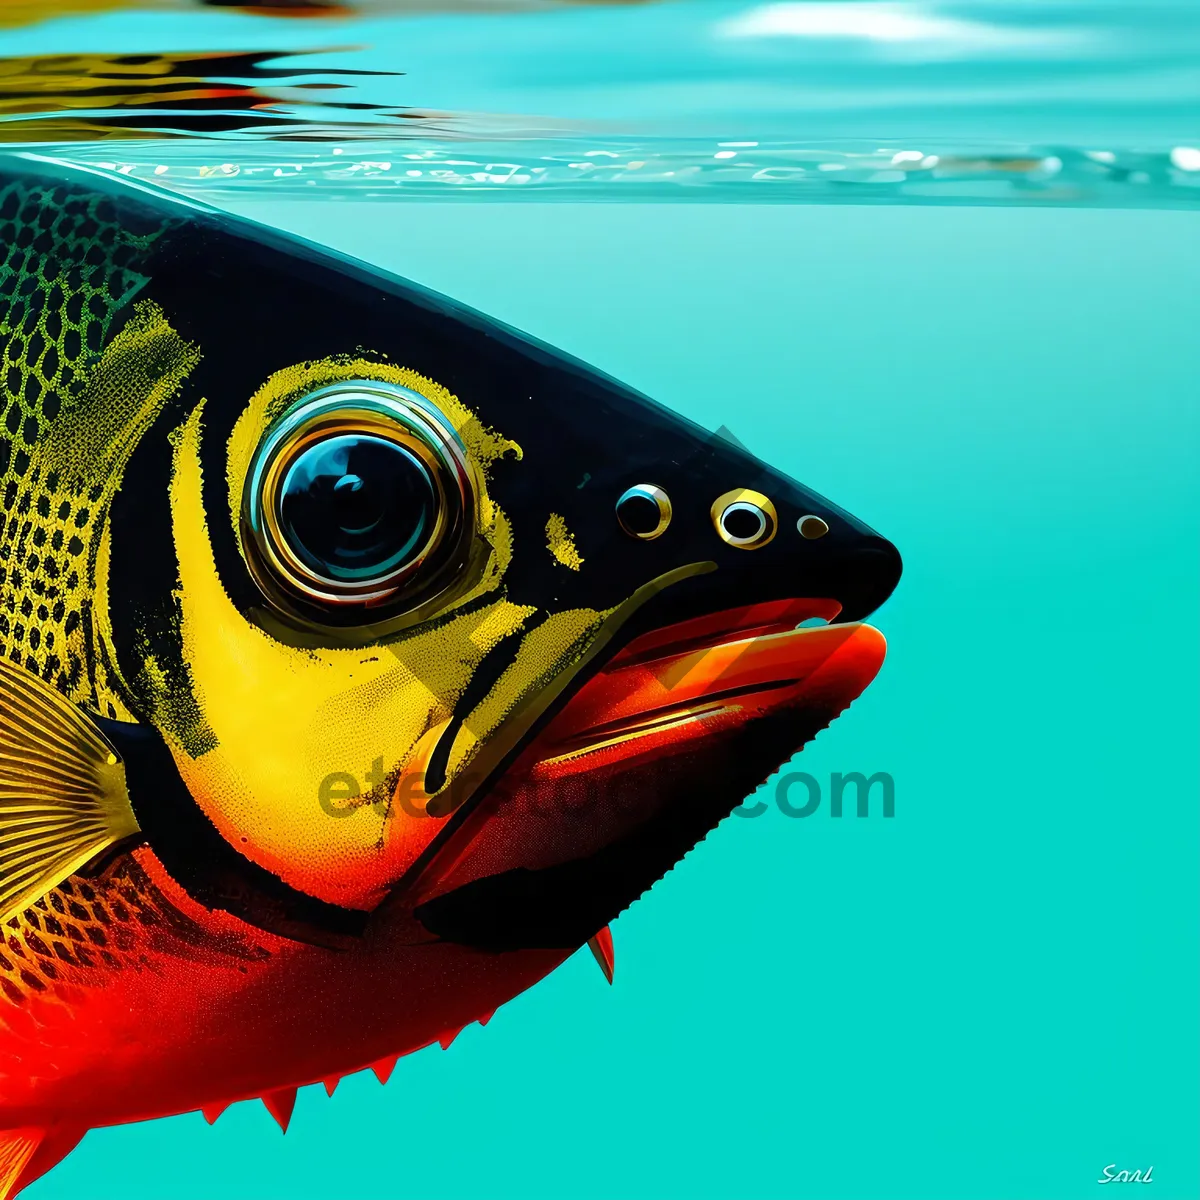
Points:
x=285, y=718
x=484, y=446
x=560, y=541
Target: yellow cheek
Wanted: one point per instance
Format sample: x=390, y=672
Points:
x=546, y=654
x=290, y=725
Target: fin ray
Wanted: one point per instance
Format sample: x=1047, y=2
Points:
x=63, y=797
x=16, y=1149
x=53, y=1146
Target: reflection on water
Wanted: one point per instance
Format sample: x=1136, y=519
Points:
x=895, y=101
x=75, y=97
x=29, y=12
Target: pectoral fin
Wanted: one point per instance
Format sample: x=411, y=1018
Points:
x=63, y=797
x=16, y=1149
x=27, y=1154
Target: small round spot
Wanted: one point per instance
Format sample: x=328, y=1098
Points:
x=812, y=527
x=644, y=511
x=744, y=518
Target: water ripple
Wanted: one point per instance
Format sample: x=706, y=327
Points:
x=570, y=167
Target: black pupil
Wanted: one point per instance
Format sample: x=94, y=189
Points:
x=741, y=523
x=639, y=514
x=355, y=507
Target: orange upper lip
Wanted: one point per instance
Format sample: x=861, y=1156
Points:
x=700, y=674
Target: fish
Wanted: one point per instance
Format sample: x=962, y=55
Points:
x=361, y=658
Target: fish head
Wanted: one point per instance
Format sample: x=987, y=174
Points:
x=436, y=624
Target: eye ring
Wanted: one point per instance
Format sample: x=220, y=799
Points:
x=417, y=463
x=635, y=515
x=744, y=519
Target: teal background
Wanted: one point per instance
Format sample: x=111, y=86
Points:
x=993, y=994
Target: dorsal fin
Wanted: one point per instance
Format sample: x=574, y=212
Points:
x=63, y=797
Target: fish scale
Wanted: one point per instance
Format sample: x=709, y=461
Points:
x=64, y=274
x=85, y=929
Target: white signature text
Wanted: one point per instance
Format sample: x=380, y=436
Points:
x=1112, y=1175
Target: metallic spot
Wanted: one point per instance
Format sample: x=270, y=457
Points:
x=744, y=518
x=812, y=527
x=644, y=511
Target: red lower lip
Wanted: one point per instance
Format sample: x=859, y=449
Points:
x=694, y=679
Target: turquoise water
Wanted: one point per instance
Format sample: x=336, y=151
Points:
x=1078, y=102
x=992, y=995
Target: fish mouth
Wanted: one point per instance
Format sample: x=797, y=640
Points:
x=653, y=750
x=694, y=678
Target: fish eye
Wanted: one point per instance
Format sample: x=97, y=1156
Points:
x=744, y=518
x=359, y=502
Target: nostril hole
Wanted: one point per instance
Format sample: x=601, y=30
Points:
x=644, y=511
x=812, y=527
x=744, y=519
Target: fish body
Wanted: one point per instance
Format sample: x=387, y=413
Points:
x=362, y=658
